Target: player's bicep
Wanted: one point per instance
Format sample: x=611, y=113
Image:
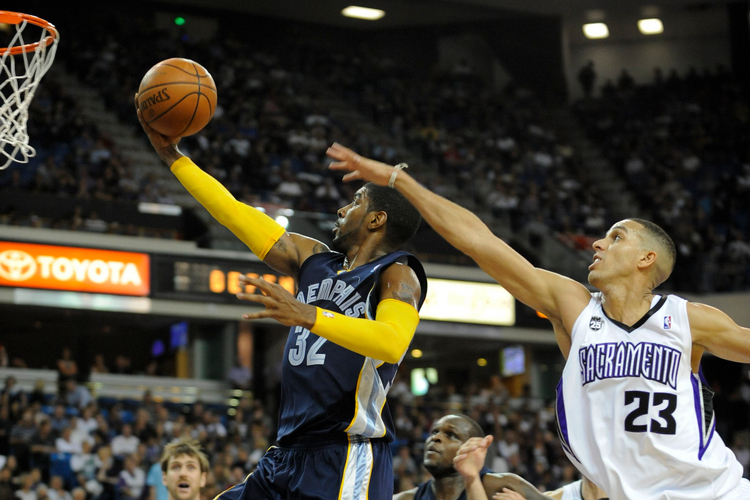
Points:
x=718, y=333
x=547, y=292
x=284, y=256
x=400, y=282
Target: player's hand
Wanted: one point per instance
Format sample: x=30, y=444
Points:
x=470, y=457
x=507, y=494
x=160, y=142
x=358, y=166
x=280, y=304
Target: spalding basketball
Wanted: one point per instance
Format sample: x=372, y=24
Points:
x=177, y=97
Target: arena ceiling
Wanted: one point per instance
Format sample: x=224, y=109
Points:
x=401, y=13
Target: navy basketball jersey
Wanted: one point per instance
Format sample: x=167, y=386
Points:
x=328, y=390
x=424, y=491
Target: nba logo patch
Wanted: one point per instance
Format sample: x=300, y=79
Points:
x=595, y=323
x=667, y=322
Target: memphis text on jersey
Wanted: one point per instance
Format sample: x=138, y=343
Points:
x=649, y=360
x=337, y=291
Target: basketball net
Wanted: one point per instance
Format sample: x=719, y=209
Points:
x=22, y=66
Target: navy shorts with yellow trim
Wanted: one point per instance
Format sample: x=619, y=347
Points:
x=360, y=469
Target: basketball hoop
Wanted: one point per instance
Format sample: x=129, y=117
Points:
x=22, y=66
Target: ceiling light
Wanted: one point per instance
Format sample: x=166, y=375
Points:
x=595, y=30
x=650, y=26
x=363, y=13
x=416, y=353
x=482, y=362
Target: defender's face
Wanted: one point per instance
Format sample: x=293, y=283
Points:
x=616, y=255
x=446, y=437
x=184, y=478
x=350, y=221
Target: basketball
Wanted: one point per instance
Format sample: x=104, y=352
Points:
x=177, y=97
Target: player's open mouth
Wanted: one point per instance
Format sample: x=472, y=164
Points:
x=183, y=486
x=596, y=259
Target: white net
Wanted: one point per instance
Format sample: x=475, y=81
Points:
x=22, y=66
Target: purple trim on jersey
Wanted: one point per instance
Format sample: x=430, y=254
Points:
x=562, y=421
x=700, y=406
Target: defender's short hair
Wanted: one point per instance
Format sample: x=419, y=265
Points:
x=403, y=219
x=662, y=238
x=475, y=430
x=184, y=446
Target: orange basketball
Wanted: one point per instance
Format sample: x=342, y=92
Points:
x=177, y=97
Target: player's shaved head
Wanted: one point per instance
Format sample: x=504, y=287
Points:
x=656, y=239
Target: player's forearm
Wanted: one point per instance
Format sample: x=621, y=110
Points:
x=169, y=154
x=474, y=488
x=385, y=339
x=254, y=228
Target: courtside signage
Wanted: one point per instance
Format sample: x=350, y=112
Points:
x=468, y=302
x=75, y=269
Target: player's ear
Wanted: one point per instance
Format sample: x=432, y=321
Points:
x=203, y=479
x=647, y=259
x=377, y=220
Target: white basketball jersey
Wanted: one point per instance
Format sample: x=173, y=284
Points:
x=572, y=491
x=633, y=417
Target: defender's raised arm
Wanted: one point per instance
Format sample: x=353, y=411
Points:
x=558, y=297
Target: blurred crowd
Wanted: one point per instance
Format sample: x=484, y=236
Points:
x=682, y=144
x=75, y=446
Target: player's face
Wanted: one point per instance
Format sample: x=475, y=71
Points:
x=616, y=255
x=184, y=478
x=351, y=218
x=446, y=437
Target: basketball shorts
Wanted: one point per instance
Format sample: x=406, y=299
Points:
x=357, y=469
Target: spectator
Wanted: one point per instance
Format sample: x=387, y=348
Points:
x=42, y=445
x=65, y=443
x=125, y=443
x=67, y=368
x=132, y=479
x=84, y=465
x=77, y=395
x=57, y=489
x=25, y=492
x=107, y=474
x=59, y=420
x=99, y=366
x=6, y=486
x=587, y=78
x=240, y=376
x=21, y=436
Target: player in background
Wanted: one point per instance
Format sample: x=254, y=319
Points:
x=353, y=318
x=643, y=424
x=462, y=476
x=184, y=468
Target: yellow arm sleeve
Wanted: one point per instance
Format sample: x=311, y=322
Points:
x=386, y=338
x=254, y=228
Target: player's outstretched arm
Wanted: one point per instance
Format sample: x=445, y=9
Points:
x=714, y=330
x=386, y=338
x=545, y=291
x=268, y=240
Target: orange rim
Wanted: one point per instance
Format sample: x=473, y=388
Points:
x=7, y=17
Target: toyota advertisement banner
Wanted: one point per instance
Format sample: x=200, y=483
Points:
x=75, y=269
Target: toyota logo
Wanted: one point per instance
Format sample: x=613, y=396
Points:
x=16, y=265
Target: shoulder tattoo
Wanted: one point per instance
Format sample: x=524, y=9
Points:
x=405, y=293
x=319, y=248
